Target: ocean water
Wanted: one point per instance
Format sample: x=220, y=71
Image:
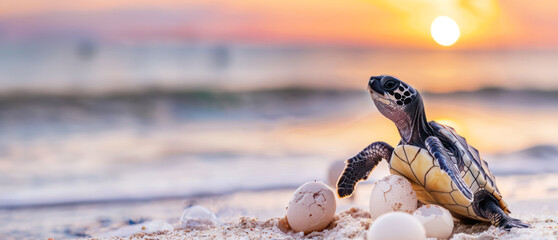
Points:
x=110, y=124
x=93, y=66
x=97, y=149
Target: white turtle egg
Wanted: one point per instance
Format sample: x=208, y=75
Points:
x=437, y=221
x=396, y=226
x=390, y=194
x=198, y=216
x=311, y=208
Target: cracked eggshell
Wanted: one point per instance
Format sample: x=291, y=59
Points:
x=437, y=221
x=311, y=208
x=396, y=226
x=390, y=194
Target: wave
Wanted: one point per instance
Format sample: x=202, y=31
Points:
x=181, y=177
x=151, y=103
x=196, y=176
x=497, y=92
x=206, y=94
x=538, y=159
x=185, y=97
x=37, y=112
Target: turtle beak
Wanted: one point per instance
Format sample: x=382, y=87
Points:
x=374, y=85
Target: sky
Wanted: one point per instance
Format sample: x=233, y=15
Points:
x=402, y=24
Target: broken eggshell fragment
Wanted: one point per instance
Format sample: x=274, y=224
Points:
x=437, y=221
x=311, y=208
x=393, y=193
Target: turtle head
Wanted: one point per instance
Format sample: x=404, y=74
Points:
x=397, y=101
x=392, y=96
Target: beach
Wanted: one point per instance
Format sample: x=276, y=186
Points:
x=242, y=156
x=200, y=119
x=260, y=215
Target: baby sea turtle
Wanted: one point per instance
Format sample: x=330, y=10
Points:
x=441, y=166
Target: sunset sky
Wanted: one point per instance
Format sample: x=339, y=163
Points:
x=513, y=24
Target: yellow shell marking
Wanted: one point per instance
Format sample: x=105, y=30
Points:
x=432, y=185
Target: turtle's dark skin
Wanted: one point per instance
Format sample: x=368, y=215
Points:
x=441, y=166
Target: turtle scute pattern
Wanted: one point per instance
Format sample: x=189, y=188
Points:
x=433, y=186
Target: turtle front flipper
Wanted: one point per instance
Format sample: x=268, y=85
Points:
x=359, y=167
x=437, y=150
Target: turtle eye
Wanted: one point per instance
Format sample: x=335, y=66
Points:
x=390, y=85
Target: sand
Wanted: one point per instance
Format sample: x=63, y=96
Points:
x=351, y=224
x=537, y=207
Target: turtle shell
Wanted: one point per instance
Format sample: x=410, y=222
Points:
x=433, y=186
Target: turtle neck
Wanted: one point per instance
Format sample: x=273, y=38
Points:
x=414, y=129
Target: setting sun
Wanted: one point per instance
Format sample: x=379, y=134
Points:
x=445, y=31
